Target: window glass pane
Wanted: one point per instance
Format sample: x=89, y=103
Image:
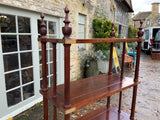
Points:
x=26, y=59
x=39, y=25
x=147, y=22
x=51, y=81
x=12, y=80
x=7, y=23
x=40, y=57
x=52, y=27
x=51, y=55
x=9, y=43
x=51, y=68
x=24, y=25
x=28, y=91
x=41, y=84
x=13, y=97
x=10, y=62
x=40, y=67
x=25, y=42
x=27, y=75
x=146, y=34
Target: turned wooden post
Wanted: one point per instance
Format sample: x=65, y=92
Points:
x=44, y=89
x=112, y=35
x=54, y=71
x=67, y=32
x=122, y=71
x=140, y=34
x=54, y=80
x=122, y=64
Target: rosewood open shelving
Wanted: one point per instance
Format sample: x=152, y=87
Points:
x=72, y=96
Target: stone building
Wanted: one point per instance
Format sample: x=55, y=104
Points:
x=150, y=18
x=20, y=51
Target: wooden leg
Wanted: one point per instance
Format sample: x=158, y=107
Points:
x=45, y=108
x=133, y=102
x=120, y=102
x=55, y=113
x=108, y=103
x=67, y=117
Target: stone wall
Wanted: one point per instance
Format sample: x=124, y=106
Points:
x=92, y=8
x=56, y=8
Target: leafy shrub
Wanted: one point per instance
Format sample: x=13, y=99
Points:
x=102, y=29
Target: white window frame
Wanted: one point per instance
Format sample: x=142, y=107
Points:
x=82, y=22
x=148, y=22
x=5, y=111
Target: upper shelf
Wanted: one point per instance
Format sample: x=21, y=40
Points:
x=98, y=40
x=89, y=90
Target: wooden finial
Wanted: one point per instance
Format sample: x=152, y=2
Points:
x=112, y=34
x=140, y=32
x=43, y=30
x=66, y=29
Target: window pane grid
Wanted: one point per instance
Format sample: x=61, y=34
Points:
x=19, y=87
x=22, y=50
x=17, y=70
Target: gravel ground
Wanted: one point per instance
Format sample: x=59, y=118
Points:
x=148, y=98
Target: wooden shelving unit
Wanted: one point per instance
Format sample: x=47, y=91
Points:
x=72, y=96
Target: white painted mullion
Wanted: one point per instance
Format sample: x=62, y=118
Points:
x=35, y=53
x=18, y=69
x=19, y=58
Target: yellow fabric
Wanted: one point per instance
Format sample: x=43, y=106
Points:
x=127, y=47
x=115, y=57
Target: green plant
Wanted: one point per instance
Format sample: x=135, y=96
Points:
x=102, y=29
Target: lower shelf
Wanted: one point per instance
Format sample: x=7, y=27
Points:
x=89, y=90
x=103, y=114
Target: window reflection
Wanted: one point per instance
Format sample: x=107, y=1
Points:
x=12, y=80
x=13, y=97
x=28, y=91
x=24, y=25
x=8, y=25
x=27, y=75
x=9, y=43
x=26, y=59
x=52, y=27
x=10, y=62
x=25, y=42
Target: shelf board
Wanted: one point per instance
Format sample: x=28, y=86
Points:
x=104, y=114
x=89, y=90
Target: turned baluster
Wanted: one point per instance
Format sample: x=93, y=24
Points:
x=140, y=34
x=67, y=32
x=122, y=71
x=112, y=35
x=44, y=89
x=54, y=80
